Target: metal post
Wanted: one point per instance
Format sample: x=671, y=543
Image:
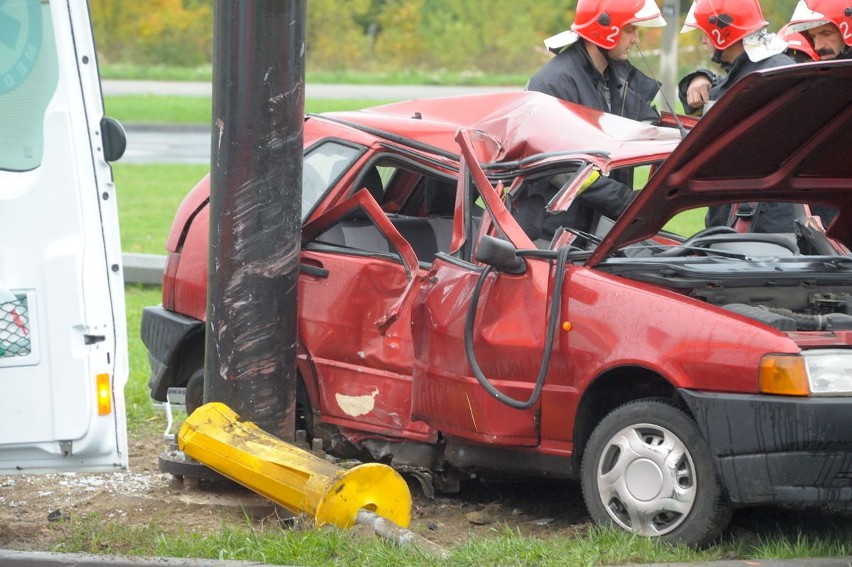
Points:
x=668, y=53
x=255, y=209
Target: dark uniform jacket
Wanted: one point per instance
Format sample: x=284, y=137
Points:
x=741, y=67
x=765, y=217
x=572, y=76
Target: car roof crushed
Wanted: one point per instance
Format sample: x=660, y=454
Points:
x=522, y=125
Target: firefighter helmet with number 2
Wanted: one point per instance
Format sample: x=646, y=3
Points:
x=601, y=22
x=725, y=22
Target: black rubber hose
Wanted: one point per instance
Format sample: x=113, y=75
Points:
x=555, y=310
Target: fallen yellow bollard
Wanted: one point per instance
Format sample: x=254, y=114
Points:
x=289, y=476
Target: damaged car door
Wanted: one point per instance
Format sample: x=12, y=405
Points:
x=477, y=330
x=358, y=278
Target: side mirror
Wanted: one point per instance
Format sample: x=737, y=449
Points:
x=500, y=254
x=114, y=139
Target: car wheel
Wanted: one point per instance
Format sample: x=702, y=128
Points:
x=195, y=391
x=647, y=469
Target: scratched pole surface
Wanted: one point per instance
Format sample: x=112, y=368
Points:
x=255, y=209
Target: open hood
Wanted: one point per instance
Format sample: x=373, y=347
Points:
x=782, y=134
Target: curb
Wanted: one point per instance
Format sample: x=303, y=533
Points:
x=144, y=269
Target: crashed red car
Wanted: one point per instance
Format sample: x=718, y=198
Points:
x=677, y=376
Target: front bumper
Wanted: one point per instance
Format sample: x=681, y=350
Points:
x=779, y=450
x=164, y=333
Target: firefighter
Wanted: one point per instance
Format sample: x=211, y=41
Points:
x=827, y=24
x=799, y=46
x=735, y=31
x=591, y=66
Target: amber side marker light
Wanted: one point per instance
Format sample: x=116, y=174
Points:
x=104, y=393
x=784, y=375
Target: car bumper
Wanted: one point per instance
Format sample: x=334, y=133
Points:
x=778, y=450
x=163, y=333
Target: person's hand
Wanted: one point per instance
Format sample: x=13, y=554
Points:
x=698, y=92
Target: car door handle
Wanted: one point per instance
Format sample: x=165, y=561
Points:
x=317, y=271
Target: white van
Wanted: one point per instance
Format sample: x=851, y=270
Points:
x=63, y=341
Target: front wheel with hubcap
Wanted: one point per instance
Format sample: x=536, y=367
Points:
x=647, y=469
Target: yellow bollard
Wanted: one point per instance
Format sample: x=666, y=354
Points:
x=289, y=476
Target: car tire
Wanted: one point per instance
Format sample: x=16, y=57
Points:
x=647, y=470
x=195, y=391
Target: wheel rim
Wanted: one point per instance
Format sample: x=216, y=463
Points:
x=646, y=480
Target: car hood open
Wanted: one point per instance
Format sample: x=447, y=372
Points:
x=782, y=134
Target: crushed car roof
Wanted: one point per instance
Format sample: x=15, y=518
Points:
x=521, y=125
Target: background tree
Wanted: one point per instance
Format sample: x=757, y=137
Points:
x=169, y=32
x=393, y=36
x=335, y=39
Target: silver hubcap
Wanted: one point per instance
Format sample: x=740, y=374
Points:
x=646, y=480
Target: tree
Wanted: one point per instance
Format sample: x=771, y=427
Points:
x=335, y=40
x=493, y=36
x=166, y=32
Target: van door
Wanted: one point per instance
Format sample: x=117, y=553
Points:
x=63, y=345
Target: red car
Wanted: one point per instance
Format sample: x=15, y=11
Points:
x=676, y=375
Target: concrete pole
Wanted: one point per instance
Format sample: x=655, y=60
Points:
x=255, y=209
x=668, y=53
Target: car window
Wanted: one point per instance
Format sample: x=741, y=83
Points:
x=418, y=202
x=323, y=165
x=28, y=78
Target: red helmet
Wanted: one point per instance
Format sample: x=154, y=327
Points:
x=601, y=21
x=814, y=13
x=725, y=22
x=797, y=41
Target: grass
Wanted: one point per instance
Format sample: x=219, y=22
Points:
x=142, y=416
x=148, y=196
x=407, y=77
x=302, y=545
x=336, y=547
x=172, y=109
